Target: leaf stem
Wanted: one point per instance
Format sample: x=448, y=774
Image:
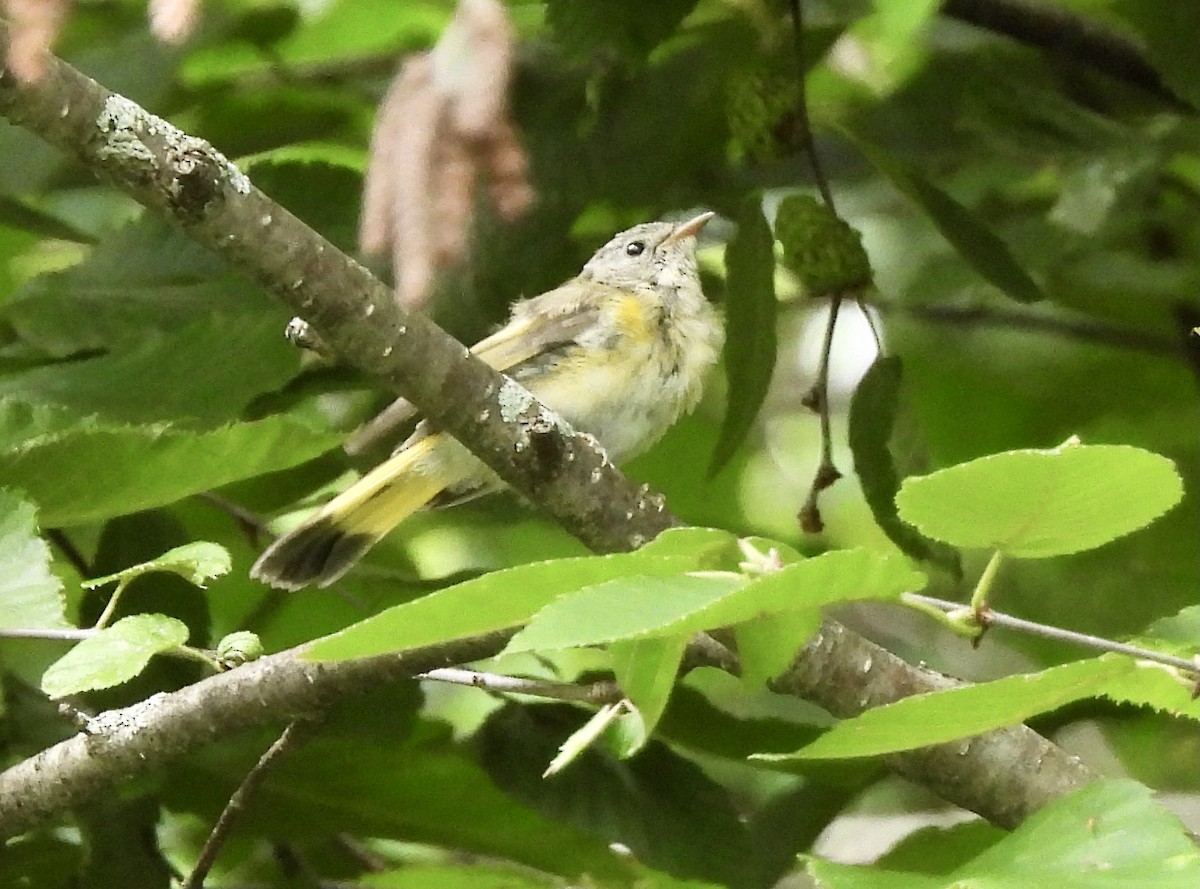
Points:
x=984, y=586
x=990, y=618
x=111, y=606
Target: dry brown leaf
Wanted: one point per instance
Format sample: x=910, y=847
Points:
x=35, y=24
x=443, y=127
x=173, y=21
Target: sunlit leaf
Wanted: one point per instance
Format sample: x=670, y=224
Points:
x=1038, y=503
x=114, y=655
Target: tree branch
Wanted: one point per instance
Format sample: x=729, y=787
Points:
x=188, y=181
x=120, y=744
x=1004, y=775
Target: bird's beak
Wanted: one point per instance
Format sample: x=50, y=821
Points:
x=689, y=229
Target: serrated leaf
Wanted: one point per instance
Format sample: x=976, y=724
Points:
x=144, y=277
x=31, y=594
x=977, y=244
x=638, y=607
x=768, y=645
x=119, y=470
x=750, y=308
x=207, y=372
x=624, y=608
x=872, y=417
x=1107, y=835
x=496, y=601
x=646, y=669
x=1039, y=503
x=807, y=586
x=1154, y=685
x=1177, y=634
x=712, y=548
x=194, y=562
x=114, y=655
x=959, y=712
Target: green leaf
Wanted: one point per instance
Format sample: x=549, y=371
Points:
x=243, y=357
x=1162, y=688
x=750, y=307
x=646, y=670
x=117, y=470
x=31, y=594
x=941, y=716
x=460, y=876
x=712, y=548
x=425, y=789
x=1110, y=833
x=614, y=25
x=978, y=245
x=1035, y=503
x=784, y=608
x=872, y=417
x=496, y=601
x=663, y=807
x=807, y=586
x=142, y=278
x=1170, y=32
x=820, y=247
x=1107, y=835
x=114, y=655
x=195, y=562
x=767, y=645
x=637, y=607
x=627, y=607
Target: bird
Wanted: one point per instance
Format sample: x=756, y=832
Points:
x=620, y=351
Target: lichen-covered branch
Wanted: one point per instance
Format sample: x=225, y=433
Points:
x=194, y=185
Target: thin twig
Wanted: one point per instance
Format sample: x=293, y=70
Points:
x=1081, y=329
x=55, y=635
x=827, y=473
x=987, y=617
x=593, y=693
x=294, y=735
x=806, y=138
x=818, y=399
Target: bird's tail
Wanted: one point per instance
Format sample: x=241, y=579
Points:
x=329, y=543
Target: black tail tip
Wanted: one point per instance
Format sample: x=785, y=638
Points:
x=319, y=553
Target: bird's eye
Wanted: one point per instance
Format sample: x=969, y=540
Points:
x=635, y=248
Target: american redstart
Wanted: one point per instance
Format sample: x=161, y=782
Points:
x=619, y=351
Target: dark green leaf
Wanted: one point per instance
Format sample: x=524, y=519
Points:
x=117, y=470
x=978, y=245
x=206, y=372
x=661, y=806
x=749, y=327
x=872, y=417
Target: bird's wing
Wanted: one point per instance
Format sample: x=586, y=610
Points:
x=538, y=325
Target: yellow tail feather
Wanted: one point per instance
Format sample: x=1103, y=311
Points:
x=328, y=544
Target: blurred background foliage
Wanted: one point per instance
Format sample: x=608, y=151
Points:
x=115, y=328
